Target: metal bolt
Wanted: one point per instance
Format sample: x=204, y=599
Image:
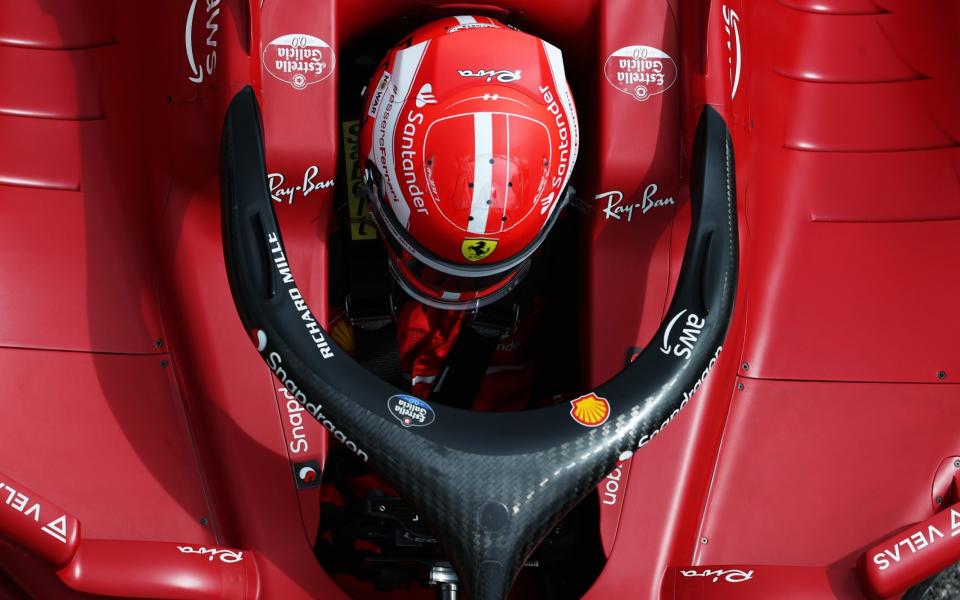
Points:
x=740, y=386
x=382, y=508
x=703, y=540
x=163, y=364
x=956, y=464
x=158, y=343
x=941, y=374
x=745, y=366
x=939, y=499
x=204, y=521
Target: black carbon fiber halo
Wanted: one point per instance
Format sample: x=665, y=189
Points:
x=490, y=485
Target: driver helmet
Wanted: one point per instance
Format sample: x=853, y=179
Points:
x=469, y=136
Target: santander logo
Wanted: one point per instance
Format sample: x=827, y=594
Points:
x=202, y=52
x=425, y=96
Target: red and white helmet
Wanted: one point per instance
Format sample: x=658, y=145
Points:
x=470, y=135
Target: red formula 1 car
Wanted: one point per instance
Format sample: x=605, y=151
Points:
x=742, y=377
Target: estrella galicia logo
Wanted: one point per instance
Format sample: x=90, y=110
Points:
x=410, y=410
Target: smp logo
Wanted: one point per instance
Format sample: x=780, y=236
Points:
x=690, y=330
x=201, y=42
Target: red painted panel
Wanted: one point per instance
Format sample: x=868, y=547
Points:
x=56, y=85
x=301, y=142
x=636, y=186
x=669, y=477
x=56, y=24
x=759, y=582
x=836, y=7
x=76, y=276
x=41, y=153
x=232, y=399
x=30, y=578
x=813, y=472
x=104, y=436
x=162, y=570
x=832, y=117
x=853, y=301
x=877, y=60
x=90, y=281
x=852, y=187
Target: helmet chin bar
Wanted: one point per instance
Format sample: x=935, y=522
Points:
x=490, y=485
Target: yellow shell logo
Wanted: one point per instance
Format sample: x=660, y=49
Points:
x=475, y=249
x=590, y=410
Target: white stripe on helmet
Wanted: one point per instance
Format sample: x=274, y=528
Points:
x=506, y=183
x=482, y=172
x=405, y=69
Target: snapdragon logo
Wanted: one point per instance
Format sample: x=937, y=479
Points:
x=644, y=440
x=292, y=391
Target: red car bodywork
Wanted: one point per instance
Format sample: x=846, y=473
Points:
x=133, y=400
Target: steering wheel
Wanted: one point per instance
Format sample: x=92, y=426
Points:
x=489, y=485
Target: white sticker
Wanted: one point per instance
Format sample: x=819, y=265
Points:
x=378, y=93
x=299, y=59
x=640, y=71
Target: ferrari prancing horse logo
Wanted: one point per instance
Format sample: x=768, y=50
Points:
x=475, y=249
